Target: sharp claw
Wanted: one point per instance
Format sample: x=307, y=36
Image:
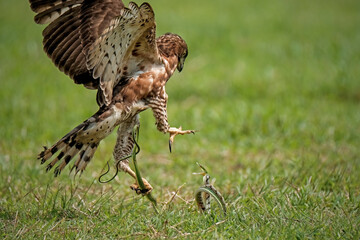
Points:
x=176, y=131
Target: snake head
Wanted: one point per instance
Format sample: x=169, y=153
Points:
x=206, y=176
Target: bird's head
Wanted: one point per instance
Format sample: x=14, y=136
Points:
x=172, y=45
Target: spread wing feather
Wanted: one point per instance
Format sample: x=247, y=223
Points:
x=62, y=43
x=49, y=10
x=97, y=43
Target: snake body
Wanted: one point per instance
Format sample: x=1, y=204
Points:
x=205, y=193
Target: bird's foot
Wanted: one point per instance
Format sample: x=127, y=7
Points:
x=138, y=190
x=175, y=131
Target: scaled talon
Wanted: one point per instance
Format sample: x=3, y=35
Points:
x=175, y=131
x=138, y=190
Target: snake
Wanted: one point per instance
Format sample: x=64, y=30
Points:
x=205, y=193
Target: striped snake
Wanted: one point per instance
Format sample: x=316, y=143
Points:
x=204, y=194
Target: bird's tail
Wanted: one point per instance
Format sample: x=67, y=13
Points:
x=83, y=141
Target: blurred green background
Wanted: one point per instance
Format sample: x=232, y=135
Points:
x=273, y=88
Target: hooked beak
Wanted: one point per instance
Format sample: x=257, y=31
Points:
x=180, y=65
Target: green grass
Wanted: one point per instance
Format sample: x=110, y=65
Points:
x=273, y=88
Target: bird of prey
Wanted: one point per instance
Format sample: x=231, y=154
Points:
x=113, y=49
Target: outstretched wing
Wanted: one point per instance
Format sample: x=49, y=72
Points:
x=62, y=38
x=98, y=43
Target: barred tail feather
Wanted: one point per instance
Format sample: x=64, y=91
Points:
x=83, y=141
x=84, y=158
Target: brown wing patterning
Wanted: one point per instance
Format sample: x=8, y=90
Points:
x=93, y=41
